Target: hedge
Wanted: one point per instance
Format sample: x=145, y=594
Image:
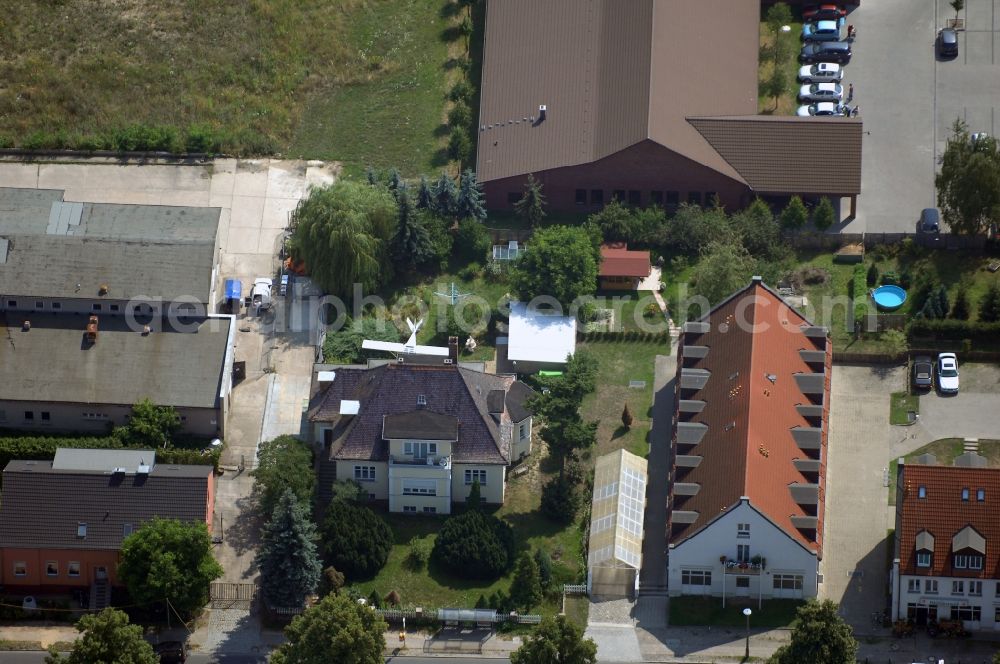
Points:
x=44, y=448
x=626, y=335
x=951, y=329
x=859, y=291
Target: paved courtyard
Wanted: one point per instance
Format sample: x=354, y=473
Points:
x=854, y=565
x=909, y=100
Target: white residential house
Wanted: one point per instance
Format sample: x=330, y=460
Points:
x=417, y=437
x=947, y=551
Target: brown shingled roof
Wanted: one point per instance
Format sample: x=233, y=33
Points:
x=753, y=342
x=943, y=514
x=789, y=154
x=611, y=75
x=619, y=261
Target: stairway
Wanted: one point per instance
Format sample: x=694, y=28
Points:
x=100, y=595
x=327, y=476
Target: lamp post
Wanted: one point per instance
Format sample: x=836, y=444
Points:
x=747, y=613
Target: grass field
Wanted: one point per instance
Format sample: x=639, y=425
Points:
x=357, y=80
x=900, y=405
x=691, y=610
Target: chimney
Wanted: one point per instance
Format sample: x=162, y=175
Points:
x=26, y=325
x=453, y=349
x=103, y=290
x=92, y=329
x=541, y=112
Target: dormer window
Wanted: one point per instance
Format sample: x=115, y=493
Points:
x=923, y=559
x=922, y=492
x=965, y=495
x=962, y=561
x=980, y=495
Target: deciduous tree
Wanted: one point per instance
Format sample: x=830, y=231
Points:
x=150, y=425
x=283, y=464
x=819, y=636
x=562, y=263
x=337, y=629
x=171, y=560
x=106, y=638
x=968, y=185
x=288, y=558
x=556, y=640
x=342, y=233
x=344, y=345
x=723, y=269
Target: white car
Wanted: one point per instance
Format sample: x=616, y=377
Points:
x=822, y=72
x=821, y=92
x=820, y=108
x=947, y=373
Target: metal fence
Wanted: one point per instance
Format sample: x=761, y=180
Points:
x=575, y=589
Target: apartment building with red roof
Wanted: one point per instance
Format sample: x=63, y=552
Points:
x=748, y=481
x=946, y=564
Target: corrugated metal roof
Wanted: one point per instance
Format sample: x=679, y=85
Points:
x=611, y=75
x=786, y=154
x=71, y=458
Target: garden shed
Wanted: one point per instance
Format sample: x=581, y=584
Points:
x=615, y=545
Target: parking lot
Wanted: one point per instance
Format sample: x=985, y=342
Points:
x=909, y=100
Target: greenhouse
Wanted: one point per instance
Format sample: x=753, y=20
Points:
x=615, y=546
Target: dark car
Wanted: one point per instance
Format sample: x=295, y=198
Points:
x=947, y=43
x=832, y=51
x=171, y=652
x=923, y=373
x=930, y=221
x=824, y=12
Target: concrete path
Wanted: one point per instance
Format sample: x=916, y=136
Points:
x=615, y=643
x=854, y=564
x=653, y=575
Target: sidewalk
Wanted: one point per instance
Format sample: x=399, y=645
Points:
x=46, y=635
x=450, y=642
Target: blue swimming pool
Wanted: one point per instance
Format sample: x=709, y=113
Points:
x=889, y=298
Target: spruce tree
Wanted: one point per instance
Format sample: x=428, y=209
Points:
x=989, y=306
x=531, y=206
x=627, y=418
x=425, y=197
x=411, y=245
x=445, y=197
x=794, y=216
x=526, y=588
x=470, y=198
x=960, y=307
x=394, y=180
x=544, y=562
x=288, y=558
x=475, y=499
x=371, y=175
x=943, y=305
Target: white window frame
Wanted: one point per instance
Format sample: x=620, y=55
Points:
x=696, y=577
x=958, y=587
x=20, y=565
x=364, y=473
x=923, y=559
x=913, y=585
x=743, y=530
x=523, y=431
x=787, y=582
x=976, y=588
x=430, y=509
x=73, y=568
x=743, y=553
x=930, y=587
x=409, y=509
x=420, y=450
x=51, y=568
x=472, y=474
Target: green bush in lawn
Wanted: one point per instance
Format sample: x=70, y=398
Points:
x=355, y=540
x=472, y=240
x=859, y=292
x=474, y=545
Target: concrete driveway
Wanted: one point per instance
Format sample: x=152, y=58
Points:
x=854, y=549
x=909, y=100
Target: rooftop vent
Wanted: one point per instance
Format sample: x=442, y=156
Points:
x=118, y=471
x=146, y=330
x=26, y=325
x=772, y=377
x=143, y=469
x=103, y=289
x=542, y=109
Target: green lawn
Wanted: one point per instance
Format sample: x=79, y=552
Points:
x=690, y=610
x=945, y=450
x=900, y=405
x=625, y=304
x=621, y=362
x=577, y=610
x=357, y=80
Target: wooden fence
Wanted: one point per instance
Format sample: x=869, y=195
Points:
x=833, y=241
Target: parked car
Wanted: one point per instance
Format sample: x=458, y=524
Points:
x=821, y=92
x=947, y=373
x=823, y=12
x=822, y=30
x=923, y=373
x=836, y=51
x=823, y=72
x=820, y=108
x=947, y=43
x=171, y=652
x=930, y=221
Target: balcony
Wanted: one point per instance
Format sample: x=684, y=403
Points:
x=431, y=462
x=755, y=567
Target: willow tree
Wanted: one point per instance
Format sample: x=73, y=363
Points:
x=342, y=233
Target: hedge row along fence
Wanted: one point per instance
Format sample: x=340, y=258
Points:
x=43, y=448
x=859, y=291
x=951, y=329
x=626, y=335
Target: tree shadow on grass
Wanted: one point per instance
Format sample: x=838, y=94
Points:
x=446, y=579
x=450, y=34
x=534, y=524
x=449, y=9
x=619, y=432
x=442, y=130
x=440, y=158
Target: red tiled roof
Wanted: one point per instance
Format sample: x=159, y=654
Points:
x=748, y=449
x=944, y=514
x=619, y=261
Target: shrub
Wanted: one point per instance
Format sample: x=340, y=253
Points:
x=201, y=139
x=420, y=552
x=331, y=581
x=950, y=329
x=475, y=545
x=560, y=499
x=355, y=539
x=872, y=277
x=471, y=272
x=460, y=146
x=859, y=293
x=472, y=240
x=460, y=117
x=544, y=562
x=461, y=92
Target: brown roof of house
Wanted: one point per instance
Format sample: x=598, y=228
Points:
x=789, y=154
x=620, y=261
x=753, y=342
x=455, y=394
x=943, y=515
x=611, y=75
x=42, y=507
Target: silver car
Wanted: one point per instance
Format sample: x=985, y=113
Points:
x=820, y=108
x=821, y=92
x=822, y=72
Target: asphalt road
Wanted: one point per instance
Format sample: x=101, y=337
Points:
x=194, y=658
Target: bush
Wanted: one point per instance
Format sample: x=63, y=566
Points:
x=472, y=240
x=201, y=139
x=859, y=292
x=474, y=545
x=872, y=276
x=461, y=92
x=355, y=539
x=43, y=447
x=420, y=552
x=471, y=272
x=331, y=581
x=460, y=117
x=951, y=329
x=460, y=146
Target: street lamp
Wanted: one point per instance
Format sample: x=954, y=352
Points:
x=747, y=613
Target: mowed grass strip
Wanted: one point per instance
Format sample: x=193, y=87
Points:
x=355, y=79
